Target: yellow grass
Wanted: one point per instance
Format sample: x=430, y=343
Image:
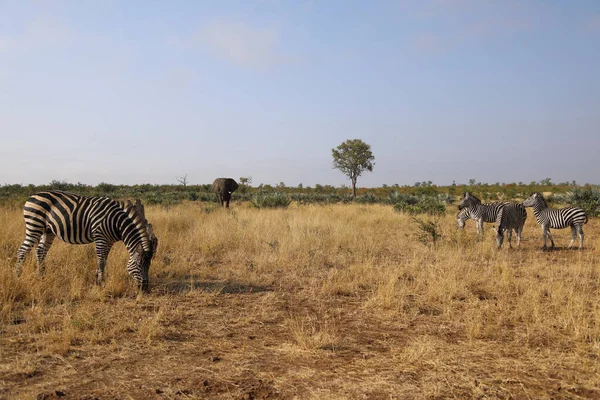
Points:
x=316, y=302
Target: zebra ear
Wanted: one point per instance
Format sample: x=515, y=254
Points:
x=127, y=205
x=153, y=238
x=139, y=208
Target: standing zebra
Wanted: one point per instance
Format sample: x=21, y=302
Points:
x=79, y=219
x=557, y=218
x=479, y=212
x=511, y=217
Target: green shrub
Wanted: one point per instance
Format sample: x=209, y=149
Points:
x=271, y=200
x=315, y=198
x=588, y=198
x=396, y=197
x=424, y=205
x=367, y=198
x=445, y=198
x=429, y=231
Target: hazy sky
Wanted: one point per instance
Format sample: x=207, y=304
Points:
x=145, y=91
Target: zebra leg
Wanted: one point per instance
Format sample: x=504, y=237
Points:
x=499, y=238
x=580, y=231
x=544, y=234
x=573, y=236
x=42, y=250
x=519, y=232
x=551, y=238
x=509, y=238
x=102, y=249
x=480, y=226
x=31, y=238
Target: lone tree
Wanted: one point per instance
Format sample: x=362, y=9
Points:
x=353, y=157
x=183, y=180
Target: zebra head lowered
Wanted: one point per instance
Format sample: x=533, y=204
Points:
x=462, y=217
x=140, y=257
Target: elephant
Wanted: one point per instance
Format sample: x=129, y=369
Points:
x=223, y=187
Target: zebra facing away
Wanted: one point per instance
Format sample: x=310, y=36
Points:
x=557, y=218
x=477, y=211
x=511, y=217
x=79, y=219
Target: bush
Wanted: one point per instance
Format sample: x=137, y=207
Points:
x=271, y=200
x=429, y=231
x=424, y=205
x=445, y=198
x=367, y=198
x=557, y=199
x=588, y=198
x=397, y=197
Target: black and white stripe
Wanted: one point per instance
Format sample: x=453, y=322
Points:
x=79, y=219
x=462, y=217
x=511, y=217
x=479, y=212
x=547, y=218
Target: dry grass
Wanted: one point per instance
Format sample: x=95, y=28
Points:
x=309, y=302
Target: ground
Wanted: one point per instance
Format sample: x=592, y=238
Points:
x=321, y=302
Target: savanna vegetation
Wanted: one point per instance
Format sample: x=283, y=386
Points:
x=424, y=194
x=350, y=299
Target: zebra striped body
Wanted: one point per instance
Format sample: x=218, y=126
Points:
x=547, y=218
x=511, y=217
x=479, y=212
x=465, y=214
x=79, y=219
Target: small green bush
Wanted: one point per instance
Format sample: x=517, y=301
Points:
x=425, y=205
x=446, y=198
x=367, y=198
x=271, y=200
x=397, y=197
x=588, y=198
x=429, y=231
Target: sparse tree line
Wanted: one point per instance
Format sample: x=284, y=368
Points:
x=353, y=157
x=414, y=199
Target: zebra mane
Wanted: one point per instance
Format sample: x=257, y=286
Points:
x=472, y=196
x=540, y=198
x=138, y=216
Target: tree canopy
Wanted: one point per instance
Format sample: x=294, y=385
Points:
x=352, y=158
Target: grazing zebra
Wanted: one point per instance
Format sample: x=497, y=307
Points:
x=557, y=218
x=511, y=217
x=479, y=212
x=462, y=217
x=79, y=219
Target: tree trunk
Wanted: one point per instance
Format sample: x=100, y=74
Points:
x=353, y=188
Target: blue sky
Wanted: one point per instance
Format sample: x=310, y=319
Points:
x=144, y=91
